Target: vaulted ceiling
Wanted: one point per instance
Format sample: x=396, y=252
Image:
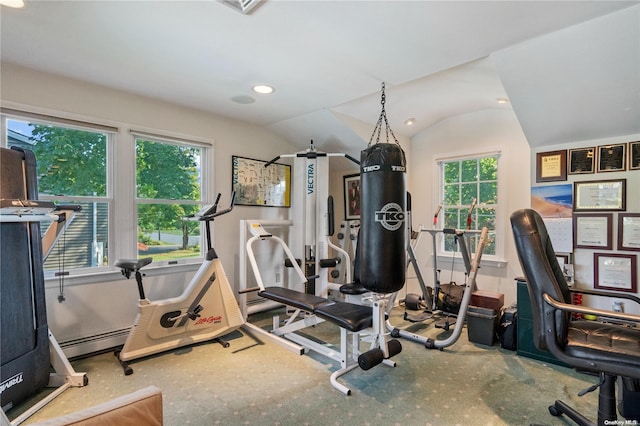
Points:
x=571, y=69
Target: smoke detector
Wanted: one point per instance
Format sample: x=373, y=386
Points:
x=242, y=6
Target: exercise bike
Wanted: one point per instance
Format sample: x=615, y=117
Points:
x=207, y=308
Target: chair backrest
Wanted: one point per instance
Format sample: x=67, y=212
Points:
x=542, y=272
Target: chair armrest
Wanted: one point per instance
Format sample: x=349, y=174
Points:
x=589, y=311
x=617, y=295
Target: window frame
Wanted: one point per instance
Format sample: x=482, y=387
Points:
x=206, y=184
x=121, y=191
x=495, y=234
x=110, y=132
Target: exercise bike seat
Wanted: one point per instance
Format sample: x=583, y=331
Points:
x=132, y=265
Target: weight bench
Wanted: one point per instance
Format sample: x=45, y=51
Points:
x=353, y=321
x=345, y=315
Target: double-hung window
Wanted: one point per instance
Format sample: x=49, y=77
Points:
x=469, y=194
x=72, y=166
x=169, y=187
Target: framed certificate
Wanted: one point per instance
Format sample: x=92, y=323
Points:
x=615, y=272
x=582, y=160
x=634, y=155
x=551, y=166
x=629, y=231
x=600, y=195
x=612, y=158
x=593, y=230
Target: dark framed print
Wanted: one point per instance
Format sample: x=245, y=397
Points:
x=591, y=196
x=629, y=231
x=615, y=272
x=593, y=230
x=352, y=197
x=259, y=184
x=582, y=160
x=551, y=166
x=634, y=155
x=612, y=158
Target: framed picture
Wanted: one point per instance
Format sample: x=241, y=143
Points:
x=593, y=230
x=615, y=272
x=551, y=166
x=352, y=197
x=257, y=184
x=600, y=195
x=629, y=231
x=612, y=158
x=582, y=160
x=634, y=155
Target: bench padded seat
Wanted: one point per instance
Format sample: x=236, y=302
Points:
x=346, y=315
x=297, y=299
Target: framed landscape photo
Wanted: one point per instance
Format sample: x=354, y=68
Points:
x=600, y=195
x=352, y=197
x=615, y=272
x=582, y=160
x=551, y=166
x=634, y=155
x=593, y=230
x=629, y=231
x=612, y=158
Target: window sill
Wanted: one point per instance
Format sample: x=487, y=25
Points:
x=108, y=274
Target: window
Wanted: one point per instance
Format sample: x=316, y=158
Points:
x=72, y=169
x=168, y=188
x=465, y=182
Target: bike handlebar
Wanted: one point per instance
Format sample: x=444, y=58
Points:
x=210, y=216
x=212, y=211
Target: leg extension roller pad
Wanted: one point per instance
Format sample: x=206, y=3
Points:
x=371, y=358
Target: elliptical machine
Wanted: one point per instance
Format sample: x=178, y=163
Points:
x=207, y=308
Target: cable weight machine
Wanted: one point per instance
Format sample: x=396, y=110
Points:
x=312, y=217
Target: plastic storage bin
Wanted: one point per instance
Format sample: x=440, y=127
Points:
x=482, y=324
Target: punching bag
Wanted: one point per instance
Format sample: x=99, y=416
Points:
x=382, y=238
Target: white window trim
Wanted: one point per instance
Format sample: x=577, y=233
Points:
x=497, y=260
x=207, y=181
x=120, y=184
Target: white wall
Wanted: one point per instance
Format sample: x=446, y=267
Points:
x=482, y=131
x=108, y=303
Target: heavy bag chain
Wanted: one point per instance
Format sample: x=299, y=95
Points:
x=378, y=129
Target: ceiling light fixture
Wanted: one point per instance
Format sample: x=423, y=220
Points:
x=410, y=122
x=502, y=100
x=263, y=89
x=12, y=3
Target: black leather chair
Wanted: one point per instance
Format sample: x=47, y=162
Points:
x=608, y=349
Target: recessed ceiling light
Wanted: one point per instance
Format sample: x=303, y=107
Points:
x=12, y=3
x=410, y=122
x=502, y=100
x=263, y=89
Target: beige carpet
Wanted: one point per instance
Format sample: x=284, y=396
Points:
x=259, y=383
